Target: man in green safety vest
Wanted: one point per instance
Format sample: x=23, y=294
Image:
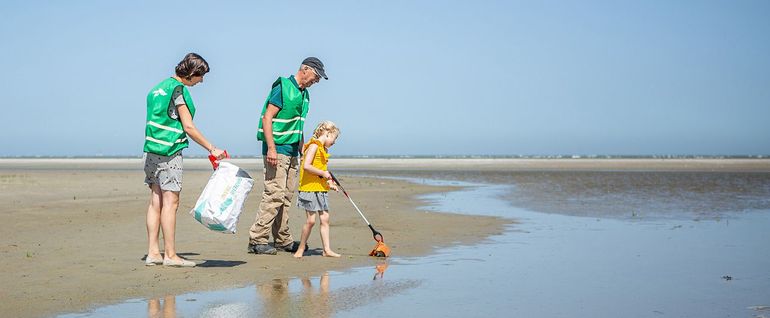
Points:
x=280, y=130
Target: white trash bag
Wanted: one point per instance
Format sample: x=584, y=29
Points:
x=221, y=202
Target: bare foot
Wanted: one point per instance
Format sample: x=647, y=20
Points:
x=299, y=252
x=330, y=254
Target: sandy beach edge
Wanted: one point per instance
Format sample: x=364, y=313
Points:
x=78, y=235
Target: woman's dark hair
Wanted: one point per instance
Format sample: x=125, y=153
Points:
x=192, y=65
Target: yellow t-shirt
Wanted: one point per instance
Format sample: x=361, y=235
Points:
x=310, y=182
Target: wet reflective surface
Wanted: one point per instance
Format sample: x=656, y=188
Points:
x=620, y=194
x=549, y=265
x=310, y=296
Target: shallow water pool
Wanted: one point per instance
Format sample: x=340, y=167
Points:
x=548, y=265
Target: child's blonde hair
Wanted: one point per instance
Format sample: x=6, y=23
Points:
x=325, y=127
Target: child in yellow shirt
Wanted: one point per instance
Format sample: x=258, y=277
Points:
x=314, y=191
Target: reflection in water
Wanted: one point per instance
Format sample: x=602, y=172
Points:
x=313, y=297
x=278, y=301
x=162, y=309
x=380, y=270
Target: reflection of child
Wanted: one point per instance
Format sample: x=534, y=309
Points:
x=313, y=191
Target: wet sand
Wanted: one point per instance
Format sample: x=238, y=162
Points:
x=74, y=238
x=75, y=233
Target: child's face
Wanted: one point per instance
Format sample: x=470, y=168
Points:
x=331, y=138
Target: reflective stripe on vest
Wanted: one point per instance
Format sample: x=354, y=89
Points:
x=178, y=141
x=283, y=121
x=152, y=123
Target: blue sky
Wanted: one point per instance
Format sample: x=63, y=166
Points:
x=406, y=77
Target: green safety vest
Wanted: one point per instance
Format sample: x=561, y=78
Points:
x=164, y=135
x=290, y=120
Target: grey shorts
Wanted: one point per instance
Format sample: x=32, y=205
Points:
x=163, y=171
x=313, y=201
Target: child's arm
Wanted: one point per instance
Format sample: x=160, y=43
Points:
x=307, y=163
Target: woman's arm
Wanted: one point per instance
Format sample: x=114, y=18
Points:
x=195, y=134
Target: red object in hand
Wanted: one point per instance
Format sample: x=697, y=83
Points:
x=215, y=162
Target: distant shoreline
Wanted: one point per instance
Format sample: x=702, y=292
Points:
x=426, y=164
x=766, y=156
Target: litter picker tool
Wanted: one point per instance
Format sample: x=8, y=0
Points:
x=380, y=250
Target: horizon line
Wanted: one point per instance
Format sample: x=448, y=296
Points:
x=467, y=156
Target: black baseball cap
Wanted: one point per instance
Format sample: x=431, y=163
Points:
x=316, y=64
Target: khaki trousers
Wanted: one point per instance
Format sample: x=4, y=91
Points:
x=273, y=215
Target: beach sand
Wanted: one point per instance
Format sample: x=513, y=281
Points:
x=74, y=229
x=74, y=238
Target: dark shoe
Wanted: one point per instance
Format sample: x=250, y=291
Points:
x=291, y=247
x=262, y=249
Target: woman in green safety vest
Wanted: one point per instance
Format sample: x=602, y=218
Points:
x=170, y=112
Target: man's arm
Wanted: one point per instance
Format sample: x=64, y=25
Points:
x=267, y=130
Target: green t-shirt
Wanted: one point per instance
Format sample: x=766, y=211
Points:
x=291, y=150
x=276, y=98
